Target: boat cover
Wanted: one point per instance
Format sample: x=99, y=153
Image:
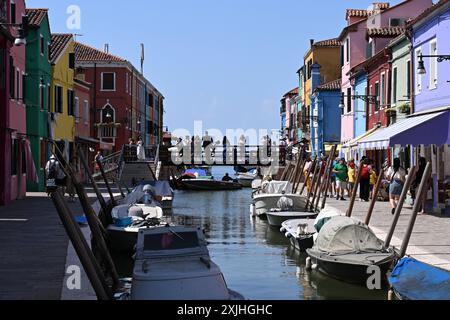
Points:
x=256, y=183
x=324, y=216
x=277, y=187
x=415, y=280
x=197, y=172
x=344, y=235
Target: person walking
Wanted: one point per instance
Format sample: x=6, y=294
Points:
x=364, y=182
x=341, y=171
x=396, y=176
x=308, y=164
x=416, y=182
x=351, y=177
x=373, y=179
x=55, y=176
x=332, y=189
x=140, y=150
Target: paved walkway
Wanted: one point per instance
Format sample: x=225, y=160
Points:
x=35, y=251
x=430, y=240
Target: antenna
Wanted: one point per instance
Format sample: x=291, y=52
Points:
x=142, y=58
x=106, y=48
x=75, y=35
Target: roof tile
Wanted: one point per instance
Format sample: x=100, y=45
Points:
x=59, y=42
x=330, y=86
x=85, y=53
x=328, y=43
x=385, y=31
x=36, y=16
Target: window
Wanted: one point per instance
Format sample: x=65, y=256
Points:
x=382, y=90
x=58, y=99
x=14, y=156
x=394, y=85
x=369, y=105
x=2, y=68
x=13, y=13
x=418, y=76
x=86, y=112
x=12, y=78
x=77, y=110
x=49, y=95
x=349, y=100
x=309, y=67
x=433, y=65
x=126, y=82
x=347, y=50
x=342, y=56
x=24, y=161
x=24, y=87
x=42, y=45
x=72, y=60
x=18, y=84
x=108, y=81
x=42, y=97
x=370, y=49
x=377, y=96
x=70, y=103
x=408, y=79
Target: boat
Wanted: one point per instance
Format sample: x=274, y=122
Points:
x=346, y=247
x=415, y=280
x=276, y=218
x=246, y=179
x=173, y=263
x=210, y=185
x=301, y=232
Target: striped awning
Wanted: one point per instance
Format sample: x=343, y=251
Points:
x=426, y=129
x=354, y=142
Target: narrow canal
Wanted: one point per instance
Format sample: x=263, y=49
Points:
x=255, y=258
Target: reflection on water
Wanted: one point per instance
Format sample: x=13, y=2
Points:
x=256, y=259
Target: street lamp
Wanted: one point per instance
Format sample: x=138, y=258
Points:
x=22, y=31
x=421, y=65
x=366, y=98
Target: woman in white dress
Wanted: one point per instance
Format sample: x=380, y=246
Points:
x=140, y=150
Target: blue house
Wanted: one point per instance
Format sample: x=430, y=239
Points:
x=325, y=124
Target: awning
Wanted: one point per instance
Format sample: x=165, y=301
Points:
x=328, y=147
x=354, y=142
x=427, y=129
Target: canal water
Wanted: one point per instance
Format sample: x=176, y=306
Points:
x=256, y=259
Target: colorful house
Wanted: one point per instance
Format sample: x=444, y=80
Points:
x=13, y=136
x=62, y=128
x=326, y=131
x=287, y=110
x=124, y=104
x=300, y=102
x=38, y=88
x=326, y=54
x=360, y=41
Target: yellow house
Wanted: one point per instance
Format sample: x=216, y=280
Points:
x=327, y=54
x=62, y=105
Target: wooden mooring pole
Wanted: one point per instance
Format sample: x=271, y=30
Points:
x=316, y=173
x=310, y=169
x=398, y=210
x=105, y=178
x=375, y=192
x=326, y=182
x=81, y=247
x=422, y=191
x=355, y=190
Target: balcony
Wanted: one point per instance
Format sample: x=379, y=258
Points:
x=107, y=130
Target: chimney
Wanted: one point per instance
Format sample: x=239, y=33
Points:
x=315, y=76
x=311, y=41
x=106, y=48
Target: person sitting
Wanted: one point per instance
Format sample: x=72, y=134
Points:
x=227, y=178
x=149, y=196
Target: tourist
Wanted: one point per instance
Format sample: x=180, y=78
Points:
x=308, y=165
x=283, y=150
x=131, y=142
x=140, y=150
x=416, y=183
x=351, y=177
x=55, y=174
x=332, y=188
x=98, y=158
x=227, y=178
x=396, y=176
x=364, y=180
x=341, y=171
x=373, y=179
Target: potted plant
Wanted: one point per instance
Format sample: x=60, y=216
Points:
x=405, y=108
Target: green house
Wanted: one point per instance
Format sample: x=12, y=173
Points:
x=37, y=88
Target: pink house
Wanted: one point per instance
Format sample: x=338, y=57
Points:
x=13, y=138
x=357, y=47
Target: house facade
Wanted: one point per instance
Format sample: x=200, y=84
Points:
x=62, y=128
x=325, y=130
x=13, y=138
x=38, y=91
x=124, y=104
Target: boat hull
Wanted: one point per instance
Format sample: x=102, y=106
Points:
x=357, y=273
x=246, y=183
x=210, y=185
x=122, y=241
x=302, y=244
x=276, y=219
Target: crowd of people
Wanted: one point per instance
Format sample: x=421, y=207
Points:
x=344, y=177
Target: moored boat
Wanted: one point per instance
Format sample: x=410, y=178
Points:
x=173, y=263
x=300, y=233
x=276, y=218
x=345, y=248
x=263, y=203
x=210, y=185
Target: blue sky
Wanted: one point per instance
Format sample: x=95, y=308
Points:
x=226, y=62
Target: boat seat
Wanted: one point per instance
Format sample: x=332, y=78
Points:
x=135, y=211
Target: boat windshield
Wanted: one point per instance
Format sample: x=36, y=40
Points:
x=171, y=241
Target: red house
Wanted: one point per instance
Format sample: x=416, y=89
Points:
x=121, y=98
x=13, y=138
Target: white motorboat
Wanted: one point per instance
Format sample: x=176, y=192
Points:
x=276, y=218
x=263, y=203
x=173, y=263
x=162, y=190
x=246, y=179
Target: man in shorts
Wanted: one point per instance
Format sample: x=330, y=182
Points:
x=341, y=171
